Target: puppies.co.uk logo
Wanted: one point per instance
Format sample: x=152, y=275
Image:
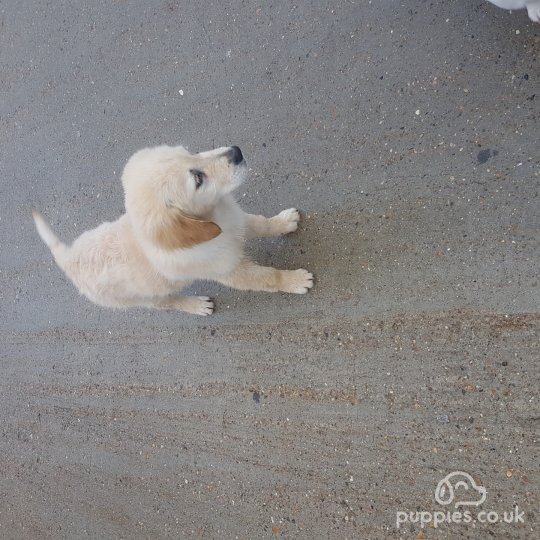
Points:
x=458, y=490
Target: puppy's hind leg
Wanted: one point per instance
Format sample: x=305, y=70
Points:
x=285, y=222
x=250, y=276
x=533, y=8
x=196, y=305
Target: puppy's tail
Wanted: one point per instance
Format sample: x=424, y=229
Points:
x=57, y=248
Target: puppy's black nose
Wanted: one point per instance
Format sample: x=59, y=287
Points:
x=235, y=155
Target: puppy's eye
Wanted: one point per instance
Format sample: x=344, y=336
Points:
x=198, y=177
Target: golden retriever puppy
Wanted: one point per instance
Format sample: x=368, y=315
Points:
x=181, y=224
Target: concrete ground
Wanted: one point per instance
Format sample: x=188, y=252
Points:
x=408, y=134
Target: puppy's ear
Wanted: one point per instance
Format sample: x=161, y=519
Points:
x=185, y=232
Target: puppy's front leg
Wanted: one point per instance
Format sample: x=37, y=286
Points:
x=250, y=276
x=260, y=226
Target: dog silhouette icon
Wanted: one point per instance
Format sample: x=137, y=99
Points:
x=451, y=487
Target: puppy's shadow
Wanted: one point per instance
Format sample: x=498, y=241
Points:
x=331, y=251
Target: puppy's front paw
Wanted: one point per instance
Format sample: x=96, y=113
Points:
x=198, y=305
x=287, y=221
x=296, y=281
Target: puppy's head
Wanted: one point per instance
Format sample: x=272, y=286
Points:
x=170, y=194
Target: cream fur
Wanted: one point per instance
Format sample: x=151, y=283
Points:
x=533, y=7
x=173, y=233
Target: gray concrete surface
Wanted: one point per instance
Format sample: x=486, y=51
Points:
x=408, y=134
